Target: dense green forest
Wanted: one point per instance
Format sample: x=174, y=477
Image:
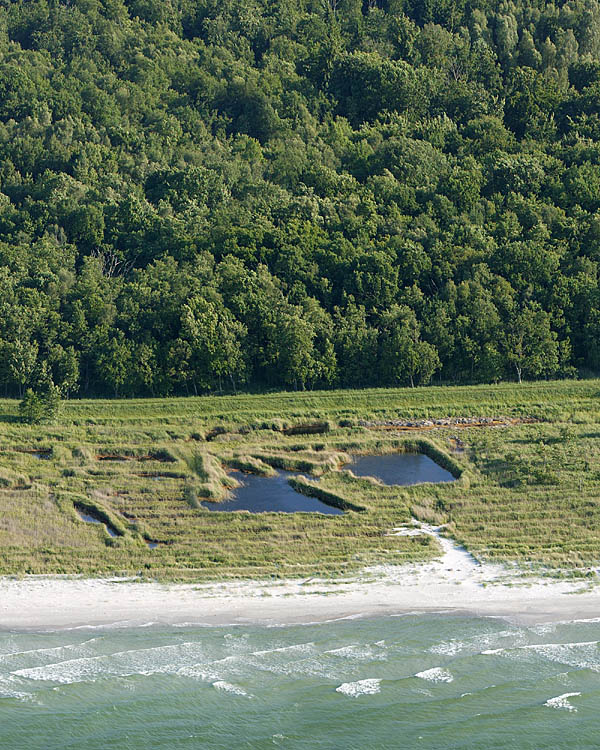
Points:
x=196, y=194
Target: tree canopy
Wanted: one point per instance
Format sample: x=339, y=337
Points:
x=318, y=193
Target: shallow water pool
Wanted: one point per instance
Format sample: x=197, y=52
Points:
x=400, y=469
x=88, y=518
x=271, y=494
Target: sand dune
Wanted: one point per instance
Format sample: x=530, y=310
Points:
x=455, y=582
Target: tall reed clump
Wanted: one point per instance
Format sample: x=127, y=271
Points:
x=13, y=480
x=309, y=461
x=251, y=464
x=191, y=495
x=214, y=480
x=310, y=428
x=96, y=509
x=310, y=489
x=164, y=455
x=83, y=454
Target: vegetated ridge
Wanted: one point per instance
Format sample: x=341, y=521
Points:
x=527, y=487
x=297, y=194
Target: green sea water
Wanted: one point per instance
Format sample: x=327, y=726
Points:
x=417, y=681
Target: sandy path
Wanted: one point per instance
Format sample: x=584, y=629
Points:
x=454, y=583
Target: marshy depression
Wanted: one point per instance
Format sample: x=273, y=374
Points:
x=271, y=494
x=260, y=494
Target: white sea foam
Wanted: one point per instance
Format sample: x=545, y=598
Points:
x=436, y=674
x=357, y=616
x=350, y=650
x=296, y=660
x=236, y=640
x=580, y=654
x=447, y=648
x=8, y=688
x=419, y=612
x=8, y=646
x=120, y=664
x=36, y=651
x=543, y=629
x=361, y=687
x=213, y=671
x=359, y=652
x=199, y=672
x=227, y=687
x=302, y=648
x=559, y=645
x=562, y=701
x=118, y=625
x=40, y=656
x=480, y=643
x=585, y=655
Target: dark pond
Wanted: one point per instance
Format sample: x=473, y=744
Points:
x=400, y=468
x=92, y=519
x=270, y=494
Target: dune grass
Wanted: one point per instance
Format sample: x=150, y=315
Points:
x=525, y=492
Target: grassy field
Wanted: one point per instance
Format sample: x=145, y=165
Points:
x=527, y=491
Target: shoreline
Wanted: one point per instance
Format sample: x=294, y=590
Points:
x=453, y=584
x=54, y=605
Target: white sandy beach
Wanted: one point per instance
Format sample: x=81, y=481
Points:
x=454, y=583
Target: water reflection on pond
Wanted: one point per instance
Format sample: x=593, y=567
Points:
x=273, y=494
x=270, y=494
x=400, y=468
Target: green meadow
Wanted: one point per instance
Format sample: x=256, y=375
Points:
x=526, y=490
